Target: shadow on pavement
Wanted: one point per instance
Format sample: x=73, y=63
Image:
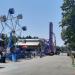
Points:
x=2, y=67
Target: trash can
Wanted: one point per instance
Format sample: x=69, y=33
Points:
x=3, y=59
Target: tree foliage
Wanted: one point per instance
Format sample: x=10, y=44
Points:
x=68, y=22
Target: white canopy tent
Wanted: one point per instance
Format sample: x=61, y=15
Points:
x=27, y=44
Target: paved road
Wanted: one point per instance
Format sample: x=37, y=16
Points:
x=49, y=65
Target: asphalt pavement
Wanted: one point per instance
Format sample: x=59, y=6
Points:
x=48, y=65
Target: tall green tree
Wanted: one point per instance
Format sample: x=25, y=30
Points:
x=68, y=22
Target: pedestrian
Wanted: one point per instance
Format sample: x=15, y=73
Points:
x=3, y=57
x=72, y=56
x=0, y=56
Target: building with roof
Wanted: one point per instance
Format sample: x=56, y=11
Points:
x=32, y=44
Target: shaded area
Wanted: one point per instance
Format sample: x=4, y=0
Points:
x=2, y=67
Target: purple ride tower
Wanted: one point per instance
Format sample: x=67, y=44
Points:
x=51, y=46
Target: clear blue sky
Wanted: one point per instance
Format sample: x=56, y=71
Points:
x=36, y=16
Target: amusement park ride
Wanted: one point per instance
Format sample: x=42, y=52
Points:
x=50, y=48
x=10, y=23
x=52, y=45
